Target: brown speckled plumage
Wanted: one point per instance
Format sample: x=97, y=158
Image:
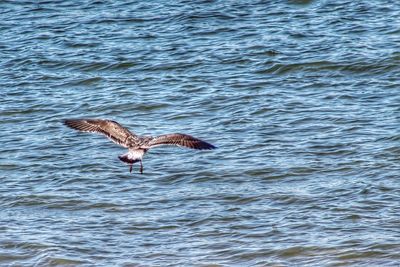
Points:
x=137, y=145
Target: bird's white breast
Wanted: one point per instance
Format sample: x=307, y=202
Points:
x=136, y=153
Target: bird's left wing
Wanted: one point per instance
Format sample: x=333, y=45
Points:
x=112, y=129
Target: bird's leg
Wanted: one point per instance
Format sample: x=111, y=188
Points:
x=141, y=167
x=130, y=168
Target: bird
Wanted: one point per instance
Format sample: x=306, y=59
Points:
x=137, y=145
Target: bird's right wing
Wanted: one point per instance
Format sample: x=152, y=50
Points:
x=112, y=129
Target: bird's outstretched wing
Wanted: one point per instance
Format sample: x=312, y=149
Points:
x=178, y=139
x=112, y=129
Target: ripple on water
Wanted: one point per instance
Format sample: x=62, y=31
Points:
x=300, y=98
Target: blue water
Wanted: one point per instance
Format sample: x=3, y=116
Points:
x=300, y=97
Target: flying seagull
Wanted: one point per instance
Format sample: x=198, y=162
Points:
x=137, y=145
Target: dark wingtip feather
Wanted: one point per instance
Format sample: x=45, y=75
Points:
x=212, y=147
x=78, y=124
x=206, y=146
x=69, y=122
x=66, y=122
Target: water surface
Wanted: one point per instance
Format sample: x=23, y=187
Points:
x=301, y=98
